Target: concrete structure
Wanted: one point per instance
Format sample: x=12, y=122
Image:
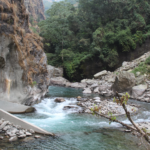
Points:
x=25, y=125
x=15, y=108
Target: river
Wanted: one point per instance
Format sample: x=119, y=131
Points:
x=80, y=131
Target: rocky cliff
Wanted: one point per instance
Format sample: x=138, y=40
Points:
x=35, y=8
x=23, y=63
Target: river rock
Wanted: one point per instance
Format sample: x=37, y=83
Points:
x=87, y=91
x=78, y=85
x=138, y=91
x=14, y=138
x=58, y=81
x=100, y=74
x=28, y=134
x=96, y=90
x=32, y=131
x=89, y=81
x=59, y=100
x=82, y=99
x=22, y=136
x=69, y=107
x=37, y=136
x=124, y=82
x=103, y=87
x=96, y=98
x=4, y=124
x=1, y=137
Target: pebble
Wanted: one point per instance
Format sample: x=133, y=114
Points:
x=37, y=136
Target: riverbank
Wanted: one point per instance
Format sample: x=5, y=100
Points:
x=128, y=78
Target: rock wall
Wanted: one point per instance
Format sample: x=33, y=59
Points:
x=23, y=70
x=35, y=8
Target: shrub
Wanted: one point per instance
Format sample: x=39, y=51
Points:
x=147, y=61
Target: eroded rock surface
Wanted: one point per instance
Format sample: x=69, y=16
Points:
x=24, y=76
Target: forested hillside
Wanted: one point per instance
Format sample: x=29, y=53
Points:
x=96, y=31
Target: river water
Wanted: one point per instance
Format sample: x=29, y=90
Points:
x=80, y=131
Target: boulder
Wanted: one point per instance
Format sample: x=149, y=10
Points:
x=14, y=138
x=58, y=81
x=124, y=63
x=37, y=136
x=96, y=90
x=124, y=82
x=78, y=85
x=59, y=100
x=3, y=124
x=87, y=91
x=138, y=91
x=140, y=79
x=67, y=84
x=103, y=87
x=138, y=74
x=82, y=99
x=89, y=81
x=96, y=98
x=69, y=107
x=100, y=74
x=54, y=72
x=93, y=86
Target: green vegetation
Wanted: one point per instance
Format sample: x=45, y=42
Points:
x=100, y=29
x=143, y=67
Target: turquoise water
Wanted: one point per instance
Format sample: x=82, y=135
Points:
x=81, y=131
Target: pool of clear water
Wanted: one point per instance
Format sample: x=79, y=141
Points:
x=80, y=131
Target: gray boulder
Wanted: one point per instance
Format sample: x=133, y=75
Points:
x=14, y=138
x=58, y=81
x=100, y=74
x=96, y=90
x=124, y=82
x=140, y=79
x=54, y=72
x=78, y=85
x=138, y=91
x=87, y=91
x=89, y=81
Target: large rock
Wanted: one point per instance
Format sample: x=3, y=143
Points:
x=124, y=82
x=58, y=81
x=54, y=72
x=138, y=91
x=87, y=91
x=89, y=81
x=100, y=74
x=78, y=85
x=140, y=79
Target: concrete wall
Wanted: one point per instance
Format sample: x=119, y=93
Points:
x=17, y=121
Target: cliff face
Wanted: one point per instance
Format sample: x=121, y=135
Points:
x=35, y=9
x=23, y=63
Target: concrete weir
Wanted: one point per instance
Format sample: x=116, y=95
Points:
x=17, y=121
